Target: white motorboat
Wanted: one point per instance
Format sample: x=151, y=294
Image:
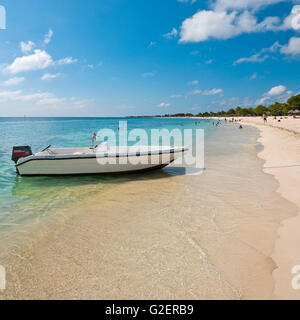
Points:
x=97, y=160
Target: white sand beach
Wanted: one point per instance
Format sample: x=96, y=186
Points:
x=281, y=141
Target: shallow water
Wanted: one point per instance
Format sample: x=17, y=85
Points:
x=24, y=200
x=170, y=234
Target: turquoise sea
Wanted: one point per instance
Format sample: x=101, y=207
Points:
x=24, y=199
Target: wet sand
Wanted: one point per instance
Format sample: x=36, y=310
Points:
x=282, y=155
x=164, y=236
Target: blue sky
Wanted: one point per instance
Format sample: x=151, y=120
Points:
x=146, y=57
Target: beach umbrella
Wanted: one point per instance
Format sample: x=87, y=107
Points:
x=294, y=111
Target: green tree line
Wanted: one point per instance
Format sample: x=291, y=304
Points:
x=275, y=109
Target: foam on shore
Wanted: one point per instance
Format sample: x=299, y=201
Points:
x=282, y=160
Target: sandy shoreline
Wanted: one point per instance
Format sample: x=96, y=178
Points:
x=282, y=160
x=132, y=244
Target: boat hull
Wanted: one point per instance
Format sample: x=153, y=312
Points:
x=95, y=165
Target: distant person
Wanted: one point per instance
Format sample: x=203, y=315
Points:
x=241, y=127
x=265, y=118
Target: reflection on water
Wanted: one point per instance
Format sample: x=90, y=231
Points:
x=43, y=195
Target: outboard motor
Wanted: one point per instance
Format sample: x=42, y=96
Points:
x=20, y=152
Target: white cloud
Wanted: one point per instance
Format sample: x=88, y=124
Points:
x=209, y=24
x=276, y=91
x=148, y=74
x=254, y=58
x=37, y=60
x=54, y=102
x=211, y=92
x=26, y=47
x=171, y=34
x=261, y=56
x=230, y=18
x=292, y=20
x=262, y=100
x=48, y=36
x=9, y=95
x=194, y=53
x=196, y=91
x=193, y=83
x=164, y=105
x=49, y=76
x=176, y=96
x=253, y=76
x=13, y=81
x=67, y=60
x=34, y=96
x=243, y=4
x=292, y=48
x=187, y=1
x=233, y=102
x=40, y=59
x=41, y=98
x=18, y=96
x=151, y=44
x=206, y=24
